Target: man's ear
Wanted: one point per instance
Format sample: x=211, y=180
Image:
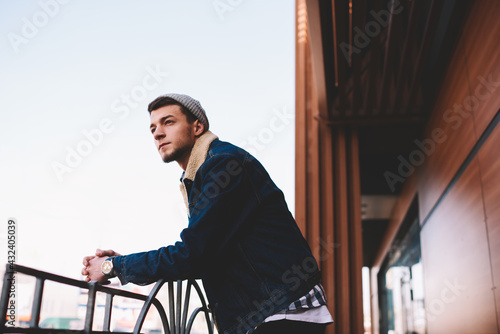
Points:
x=199, y=128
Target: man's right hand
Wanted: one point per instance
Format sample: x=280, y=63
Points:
x=98, y=253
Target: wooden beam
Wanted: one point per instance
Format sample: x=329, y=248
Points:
x=343, y=283
x=327, y=255
x=317, y=52
x=355, y=234
x=313, y=160
x=301, y=51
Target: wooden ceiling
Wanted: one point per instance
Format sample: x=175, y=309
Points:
x=380, y=61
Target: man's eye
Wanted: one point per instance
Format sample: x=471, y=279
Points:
x=153, y=131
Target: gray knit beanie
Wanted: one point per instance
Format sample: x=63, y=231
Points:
x=192, y=105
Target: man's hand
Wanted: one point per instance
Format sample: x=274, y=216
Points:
x=92, y=265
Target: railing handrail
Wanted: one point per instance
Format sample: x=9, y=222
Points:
x=175, y=325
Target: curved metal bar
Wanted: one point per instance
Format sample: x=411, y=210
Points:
x=147, y=304
x=192, y=317
x=163, y=315
x=204, y=305
x=178, y=313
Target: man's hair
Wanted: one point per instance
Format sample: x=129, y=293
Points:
x=163, y=101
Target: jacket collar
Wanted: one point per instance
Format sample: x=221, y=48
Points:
x=196, y=159
x=198, y=154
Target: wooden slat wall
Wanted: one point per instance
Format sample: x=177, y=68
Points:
x=461, y=236
x=328, y=200
x=344, y=229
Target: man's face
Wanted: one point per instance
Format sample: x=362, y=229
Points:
x=174, y=136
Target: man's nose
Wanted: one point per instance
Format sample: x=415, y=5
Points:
x=159, y=134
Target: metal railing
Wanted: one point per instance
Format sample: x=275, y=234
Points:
x=178, y=307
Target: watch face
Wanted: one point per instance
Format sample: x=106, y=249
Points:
x=107, y=266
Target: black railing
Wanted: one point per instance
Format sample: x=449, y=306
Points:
x=178, y=307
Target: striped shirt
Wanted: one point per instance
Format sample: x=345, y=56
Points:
x=311, y=307
x=314, y=298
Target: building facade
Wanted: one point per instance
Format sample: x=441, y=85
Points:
x=398, y=160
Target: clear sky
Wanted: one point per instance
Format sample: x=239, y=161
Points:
x=79, y=169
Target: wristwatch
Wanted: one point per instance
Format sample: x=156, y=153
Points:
x=107, y=267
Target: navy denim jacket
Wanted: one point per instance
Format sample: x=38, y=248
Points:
x=242, y=241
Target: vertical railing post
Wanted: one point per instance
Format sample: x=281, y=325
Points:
x=89, y=317
x=107, y=312
x=186, y=307
x=178, y=307
x=4, y=300
x=37, y=303
x=171, y=307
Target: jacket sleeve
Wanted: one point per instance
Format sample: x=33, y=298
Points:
x=223, y=198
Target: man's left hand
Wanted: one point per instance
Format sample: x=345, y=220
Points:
x=94, y=271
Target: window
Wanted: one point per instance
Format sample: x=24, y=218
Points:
x=400, y=281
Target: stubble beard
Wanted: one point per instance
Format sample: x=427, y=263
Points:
x=175, y=155
x=180, y=151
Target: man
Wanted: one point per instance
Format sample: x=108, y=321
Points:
x=257, y=270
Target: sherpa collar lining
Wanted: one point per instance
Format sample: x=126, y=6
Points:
x=196, y=159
